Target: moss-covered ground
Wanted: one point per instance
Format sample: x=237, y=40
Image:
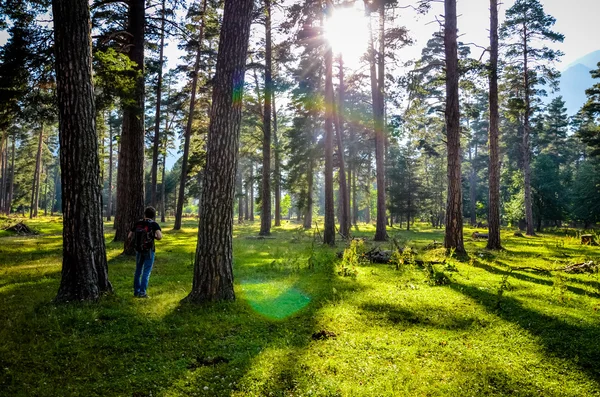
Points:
x=470, y=327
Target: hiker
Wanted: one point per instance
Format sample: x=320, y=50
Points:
x=144, y=232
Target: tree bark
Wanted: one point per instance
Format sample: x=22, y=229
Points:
x=110, y=169
x=454, y=221
x=307, y=224
x=12, y=177
x=251, y=184
x=526, y=151
x=329, y=228
x=188, y=129
x=377, y=70
x=472, y=190
x=494, y=242
x=277, y=169
x=156, y=143
x=265, y=213
x=344, y=199
x=130, y=178
x=33, y=209
x=84, y=266
x=213, y=270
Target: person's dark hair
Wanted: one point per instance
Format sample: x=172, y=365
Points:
x=150, y=212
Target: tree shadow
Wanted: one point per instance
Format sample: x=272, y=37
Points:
x=575, y=343
x=426, y=316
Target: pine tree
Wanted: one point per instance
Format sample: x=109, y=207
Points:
x=85, y=269
x=528, y=24
x=454, y=223
x=213, y=272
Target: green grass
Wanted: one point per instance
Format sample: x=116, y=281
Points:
x=486, y=330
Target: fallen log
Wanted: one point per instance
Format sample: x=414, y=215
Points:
x=21, y=229
x=477, y=235
x=579, y=268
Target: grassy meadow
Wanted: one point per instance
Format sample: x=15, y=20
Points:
x=306, y=323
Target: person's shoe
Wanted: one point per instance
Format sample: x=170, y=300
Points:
x=144, y=296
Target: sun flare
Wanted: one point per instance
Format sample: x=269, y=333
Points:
x=347, y=32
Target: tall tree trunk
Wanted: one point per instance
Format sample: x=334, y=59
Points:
x=277, y=170
x=308, y=211
x=130, y=177
x=526, y=130
x=12, y=177
x=354, y=198
x=188, y=129
x=4, y=170
x=368, y=188
x=239, y=188
x=344, y=199
x=54, y=189
x=251, y=184
x=33, y=209
x=265, y=214
x=109, y=207
x=213, y=271
x=329, y=228
x=46, y=194
x=454, y=222
x=377, y=70
x=472, y=190
x=494, y=167
x=163, y=196
x=84, y=266
x=156, y=142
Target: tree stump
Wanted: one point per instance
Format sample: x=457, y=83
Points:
x=588, y=239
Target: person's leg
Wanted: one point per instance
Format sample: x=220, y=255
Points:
x=139, y=264
x=148, y=263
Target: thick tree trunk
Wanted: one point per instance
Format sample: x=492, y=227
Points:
x=130, y=178
x=265, y=213
x=84, y=267
x=454, y=221
x=213, y=271
x=156, y=143
x=329, y=228
x=526, y=149
x=494, y=242
x=109, y=207
x=33, y=209
x=344, y=199
x=277, y=170
x=188, y=129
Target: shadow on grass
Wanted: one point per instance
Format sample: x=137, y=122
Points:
x=575, y=343
x=427, y=316
x=518, y=274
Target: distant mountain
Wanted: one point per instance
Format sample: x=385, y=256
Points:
x=575, y=80
x=590, y=60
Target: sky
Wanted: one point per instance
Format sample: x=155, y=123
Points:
x=576, y=19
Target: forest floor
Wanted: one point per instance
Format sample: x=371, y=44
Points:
x=304, y=325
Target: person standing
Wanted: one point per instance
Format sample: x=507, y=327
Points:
x=142, y=235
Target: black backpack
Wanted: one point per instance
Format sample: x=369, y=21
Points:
x=143, y=238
